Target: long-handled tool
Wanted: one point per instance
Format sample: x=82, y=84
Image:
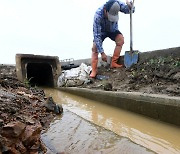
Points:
x=131, y=57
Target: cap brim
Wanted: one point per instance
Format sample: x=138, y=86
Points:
x=112, y=18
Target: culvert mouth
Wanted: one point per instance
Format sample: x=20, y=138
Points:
x=38, y=70
x=40, y=74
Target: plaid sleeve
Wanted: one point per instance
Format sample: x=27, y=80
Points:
x=116, y=26
x=97, y=33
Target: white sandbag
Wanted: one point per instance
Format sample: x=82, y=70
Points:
x=75, y=76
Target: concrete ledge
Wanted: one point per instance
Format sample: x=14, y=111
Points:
x=160, y=107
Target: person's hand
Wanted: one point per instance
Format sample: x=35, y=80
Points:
x=104, y=56
x=129, y=3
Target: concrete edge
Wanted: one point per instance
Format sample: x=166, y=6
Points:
x=160, y=107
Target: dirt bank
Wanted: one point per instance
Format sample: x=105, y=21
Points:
x=156, y=76
x=24, y=113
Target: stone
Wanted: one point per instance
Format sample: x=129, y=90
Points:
x=108, y=87
x=13, y=129
x=52, y=106
x=177, y=76
x=31, y=134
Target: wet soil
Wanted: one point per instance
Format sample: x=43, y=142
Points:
x=23, y=114
x=153, y=76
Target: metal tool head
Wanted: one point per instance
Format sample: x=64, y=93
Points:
x=130, y=58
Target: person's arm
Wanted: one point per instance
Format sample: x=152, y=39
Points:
x=97, y=33
x=126, y=7
x=97, y=37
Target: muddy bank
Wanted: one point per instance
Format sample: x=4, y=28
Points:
x=24, y=113
x=159, y=75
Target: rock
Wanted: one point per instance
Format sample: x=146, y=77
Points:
x=108, y=87
x=13, y=129
x=21, y=147
x=173, y=89
x=52, y=106
x=31, y=134
x=177, y=76
x=74, y=82
x=26, y=142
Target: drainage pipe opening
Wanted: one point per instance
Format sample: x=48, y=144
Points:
x=40, y=74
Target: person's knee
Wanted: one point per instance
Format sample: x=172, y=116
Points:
x=120, y=43
x=119, y=40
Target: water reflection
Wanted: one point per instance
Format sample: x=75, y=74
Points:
x=157, y=136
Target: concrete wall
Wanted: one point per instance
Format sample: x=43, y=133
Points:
x=174, y=52
x=85, y=61
x=160, y=107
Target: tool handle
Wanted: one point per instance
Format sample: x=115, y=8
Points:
x=131, y=34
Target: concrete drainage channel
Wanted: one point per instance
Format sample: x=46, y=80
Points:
x=45, y=70
x=164, y=108
x=160, y=107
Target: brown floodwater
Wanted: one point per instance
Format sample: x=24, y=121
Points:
x=149, y=133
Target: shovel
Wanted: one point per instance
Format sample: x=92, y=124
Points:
x=131, y=57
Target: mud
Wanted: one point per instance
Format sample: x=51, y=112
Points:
x=23, y=114
x=153, y=76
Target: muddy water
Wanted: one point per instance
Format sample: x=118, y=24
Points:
x=72, y=134
x=157, y=136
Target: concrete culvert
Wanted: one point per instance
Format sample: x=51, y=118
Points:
x=38, y=70
x=40, y=74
